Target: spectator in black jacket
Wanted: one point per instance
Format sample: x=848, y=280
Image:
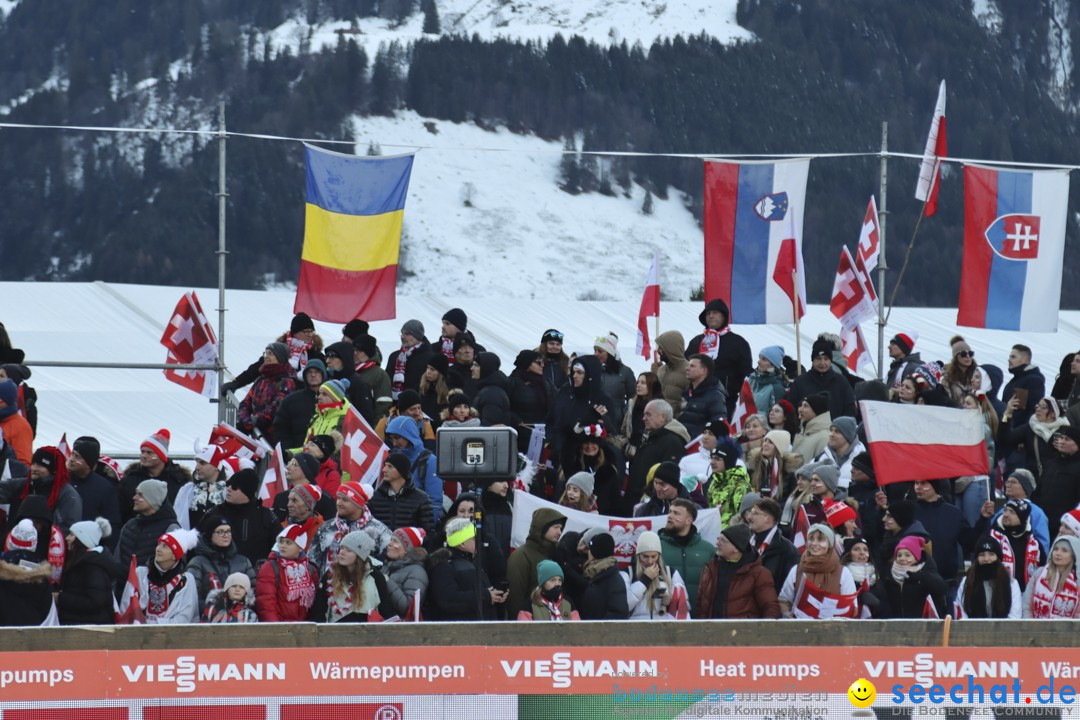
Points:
x=778, y=555
x=666, y=441
x=407, y=365
x=530, y=395
x=253, y=525
x=704, y=399
x=1058, y=490
x=821, y=378
x=461, y=374
x=304, y=345
x=579, y=402
x=153, y=463
x=152, y=519
x=339, y=365
x=452, y=578
x=604, y=597
x=90, y=574
x=491, y=400
x=295, y=411
x=730, y=352
x=396, y=502
x=98, y=495
x=25, y=592
x=951, y=535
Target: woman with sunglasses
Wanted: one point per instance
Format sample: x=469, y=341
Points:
x=1035, y=434
x=959, y=375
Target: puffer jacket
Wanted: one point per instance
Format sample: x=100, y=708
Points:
x=575, y=405
x=27, y=594
x=620, y=384
x=211, y=566
x=492, y=400
x=140, y=534
x=404, y=578
x=408, y=507
x=750, y=595
x=86, y=589
x=452, y=595
x=324, y=422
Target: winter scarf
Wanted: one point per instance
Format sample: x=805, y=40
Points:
x=900, y=572
x=1046, y=430
x=397, y=383
x=764, y=543
x=862, y=571
x=298, y=353
x=447, y=348
x=162, y=586
x=595, y=567
x=1046, y=602
x=824, y=571
x=1008, y=555
x=544, y=609
x=710, y=341
x=297, y=579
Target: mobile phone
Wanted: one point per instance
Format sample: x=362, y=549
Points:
x=502, y=585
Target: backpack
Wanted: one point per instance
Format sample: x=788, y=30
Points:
x=420, y=465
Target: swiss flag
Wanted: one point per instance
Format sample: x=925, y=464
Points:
x=650, y=307
x=856, y=352
x=851, y=304
x=811, y=602
x=745, y=407
x=869, y=238
x=362, y=452
x=130, y=611
x=234, y=442
x=930, y=171
x=274, y=479
x=799, y=529
x=789, y=261
x=189, y=339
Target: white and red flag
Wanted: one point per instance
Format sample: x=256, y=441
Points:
x=923, y=442
x=129, y=611
x=650, y=307
x=190, y=340
x=64, y=448
x=930, y=171
x=799, y=529
x=929, y=610
x=234, y=442
x=744, y=407
x=362, y=452
x=851, y=303
x=274, y=479
x=813, y=603
x=869, y=238
x=856, y=351
x=789, y=260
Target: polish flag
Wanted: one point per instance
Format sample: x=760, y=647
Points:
x=929, y=610
x=413, y=613
x=650, y=307
x=788, y=260
x=129, y=611
x=923, y=442
x=745, y=407
x=850, y=302
x=362, y=452
x=813, y=603
x=274, y=479
x=870, y=237
x=930, y=171
x=856, y=352
x=64, y=448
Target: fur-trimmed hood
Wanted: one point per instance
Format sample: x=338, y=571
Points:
x=15, y=573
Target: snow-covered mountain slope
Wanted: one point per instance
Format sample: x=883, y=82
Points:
x=523, y=237
x=603, y=21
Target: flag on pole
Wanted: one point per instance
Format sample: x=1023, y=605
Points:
x=746, y=205
x=234, y=442
x=930, y=171
x=650, y=307
x=789, y=266
x=362, y=452
x=856, y=352
x=1014, y=246
x=352, y=235
x=799, y=529
x=130, y=611
x=870, y=237
x=744, y=407
x=850, y=303
x=65, y=449
x=190, y=340
x=923, y=442
x=929, y=611
x=413, y=614
x=274, y=480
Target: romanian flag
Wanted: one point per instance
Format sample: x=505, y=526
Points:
x=352, y=233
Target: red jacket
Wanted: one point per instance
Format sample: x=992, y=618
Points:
x=329, y=477
x=272, y=601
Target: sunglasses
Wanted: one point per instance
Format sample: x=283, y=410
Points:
x=554, y=335
x=966, y=354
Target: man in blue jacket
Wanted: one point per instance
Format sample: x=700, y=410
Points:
x=403, y=434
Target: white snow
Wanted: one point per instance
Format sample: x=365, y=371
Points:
x=124, y=323
x=607, y=22
x=524, y=237
x=988, y=14
x=6, y=6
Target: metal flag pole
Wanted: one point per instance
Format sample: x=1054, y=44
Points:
x=656, y=320
x=883, y=214
x=221, y=253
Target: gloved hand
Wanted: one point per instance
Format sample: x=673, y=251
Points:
x=229, y=387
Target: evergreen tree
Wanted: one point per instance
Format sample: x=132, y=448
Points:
x=647, y=206
x=431, y=17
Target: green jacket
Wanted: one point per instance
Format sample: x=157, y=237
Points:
x=726, y=491
x=323, y=422
x=521, y=569
x=688, y=555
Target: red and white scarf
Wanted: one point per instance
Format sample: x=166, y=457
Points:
x=447, y=348
x=554, y=608
x=365, y=366
x=158, y=597
x=1008, y=558
x=710, y=341
x=298, y=583
x=764, y=543
x=773, y=472
x=397, y=383
x=343, y=528
x=1045, y=603
x=298, y=353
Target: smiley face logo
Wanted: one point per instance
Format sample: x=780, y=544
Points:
x=862, y=693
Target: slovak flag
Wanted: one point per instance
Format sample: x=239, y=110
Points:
x=650, y=307
x=1014, y=245
x=744, y=407
x=190, y=340
x=851, y=303
x=923, y=442
x=751, y=209
x=813, y=603
x=930, y=171
x=856, y=352
x=362, y=452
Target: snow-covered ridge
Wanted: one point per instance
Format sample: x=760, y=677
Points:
x=607, y=22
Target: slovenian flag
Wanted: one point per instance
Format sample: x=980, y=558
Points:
x=747, y=208
x=352, y=235
x=1014, y=244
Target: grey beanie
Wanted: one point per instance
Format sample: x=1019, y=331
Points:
x=846, y=426
x=280, y=351
x=1026, y=479
x=360, y=543
x=414, y=328
x=591, y=533
x=747, y=502
x=829, y=474
x=154, y=492
x=583, y=480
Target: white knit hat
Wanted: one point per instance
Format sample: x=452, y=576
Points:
x=90, y=532
x=648, y=542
